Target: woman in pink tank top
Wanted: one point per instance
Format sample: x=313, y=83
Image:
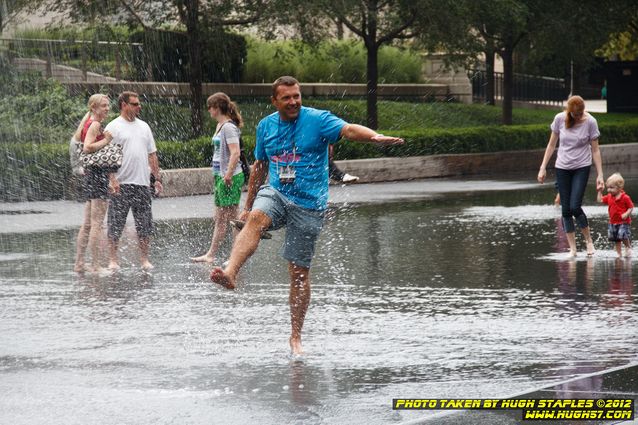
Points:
x=95, y=184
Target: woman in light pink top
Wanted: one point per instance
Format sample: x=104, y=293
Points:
x=576, y=133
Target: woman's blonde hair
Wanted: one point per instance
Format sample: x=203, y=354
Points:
x=573, y=103
x=616, y=180
x=94, y=100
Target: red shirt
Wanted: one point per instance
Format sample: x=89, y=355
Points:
x=85, y=130
x=618, y=207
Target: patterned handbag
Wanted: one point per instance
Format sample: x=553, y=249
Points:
x=109, y=157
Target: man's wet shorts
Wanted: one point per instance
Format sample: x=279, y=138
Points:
x=302, y=225
x=131, y=197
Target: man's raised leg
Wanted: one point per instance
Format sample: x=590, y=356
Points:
x=299, y=302
x=245, y=245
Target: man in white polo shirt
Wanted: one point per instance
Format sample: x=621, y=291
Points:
x=130, y=186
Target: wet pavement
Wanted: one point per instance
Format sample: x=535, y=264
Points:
x=493, y=308
x=51, y=215
x=615, y=383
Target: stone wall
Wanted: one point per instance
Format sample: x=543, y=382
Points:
x=197, y=181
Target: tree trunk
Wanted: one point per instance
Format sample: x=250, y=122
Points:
x=195, y=59
x=372, y=71
x=508, y=83
x=372, y=66
x=339, y=26
x=489, y=76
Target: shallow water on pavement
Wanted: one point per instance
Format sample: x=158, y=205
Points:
x=460, y=296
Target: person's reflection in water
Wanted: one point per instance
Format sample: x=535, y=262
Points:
x=620, y=282
x=587, y=387
x=300, y=395
x=116, y=288
x=567, y=270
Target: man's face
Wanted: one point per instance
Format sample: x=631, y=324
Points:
x=131, y=109
x=287, y=102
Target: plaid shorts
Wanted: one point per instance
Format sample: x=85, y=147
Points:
x=619, y=232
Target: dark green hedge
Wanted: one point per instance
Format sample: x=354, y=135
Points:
x=42, y=171
x=223, y=55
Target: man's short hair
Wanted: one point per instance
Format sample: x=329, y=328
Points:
x=286, y=80
x=124, y=97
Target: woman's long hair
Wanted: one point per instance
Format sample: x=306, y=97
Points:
x=574, y=102
x=94, y=100
x=226, y=106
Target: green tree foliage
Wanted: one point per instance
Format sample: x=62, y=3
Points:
x=328, y=62
x=36, y=110
x=376, y=23
x=523, y=30
x=623, y=45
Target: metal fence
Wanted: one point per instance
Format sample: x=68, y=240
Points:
x=527, y=88
x=109, y=58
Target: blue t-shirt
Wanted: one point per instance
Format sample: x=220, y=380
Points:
x=310, y=135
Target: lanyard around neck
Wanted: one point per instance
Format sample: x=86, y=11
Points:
x=292, y=130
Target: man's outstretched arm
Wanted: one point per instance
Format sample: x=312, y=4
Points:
x=360, y=133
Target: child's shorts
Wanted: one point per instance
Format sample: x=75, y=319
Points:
x=619, y=232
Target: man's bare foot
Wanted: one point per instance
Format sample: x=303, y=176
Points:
x=146, y=265
x=206, y=258
x=79, y=268
x=572, y=252
x=95, y=269
x=219, y=276
x=628, y=252
x=113, y=266
x=590, y=248
x=295, y=346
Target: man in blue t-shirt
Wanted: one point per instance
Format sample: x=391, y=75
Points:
x=292, y=148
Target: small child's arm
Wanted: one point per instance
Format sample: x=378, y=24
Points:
x=599, y=196
x=627, y=213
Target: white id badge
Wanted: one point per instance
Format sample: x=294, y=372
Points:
x=286, y=174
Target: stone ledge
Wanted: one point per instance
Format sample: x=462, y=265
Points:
x=199, y=181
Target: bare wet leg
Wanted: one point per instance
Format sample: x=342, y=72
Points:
x=145, y=244
x=223, y=215
x=588, y=240
x=220, y=277
x=571, y=241
x=299, y=301
x=113, y=261
x=295, y=346
x=628, y=252
x=83, y=239
x=206, y=258
x=245, y=246
x=618, y=246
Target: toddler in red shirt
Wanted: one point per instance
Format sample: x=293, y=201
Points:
x=620, y=208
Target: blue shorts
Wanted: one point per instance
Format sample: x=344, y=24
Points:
x=619, y=232
x=302, y=225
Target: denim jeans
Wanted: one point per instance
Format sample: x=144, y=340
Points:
x=571, y=187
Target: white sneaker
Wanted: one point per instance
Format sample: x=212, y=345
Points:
x=347, y=178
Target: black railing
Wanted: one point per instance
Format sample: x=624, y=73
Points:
x=110, y=58
x=527, y=88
